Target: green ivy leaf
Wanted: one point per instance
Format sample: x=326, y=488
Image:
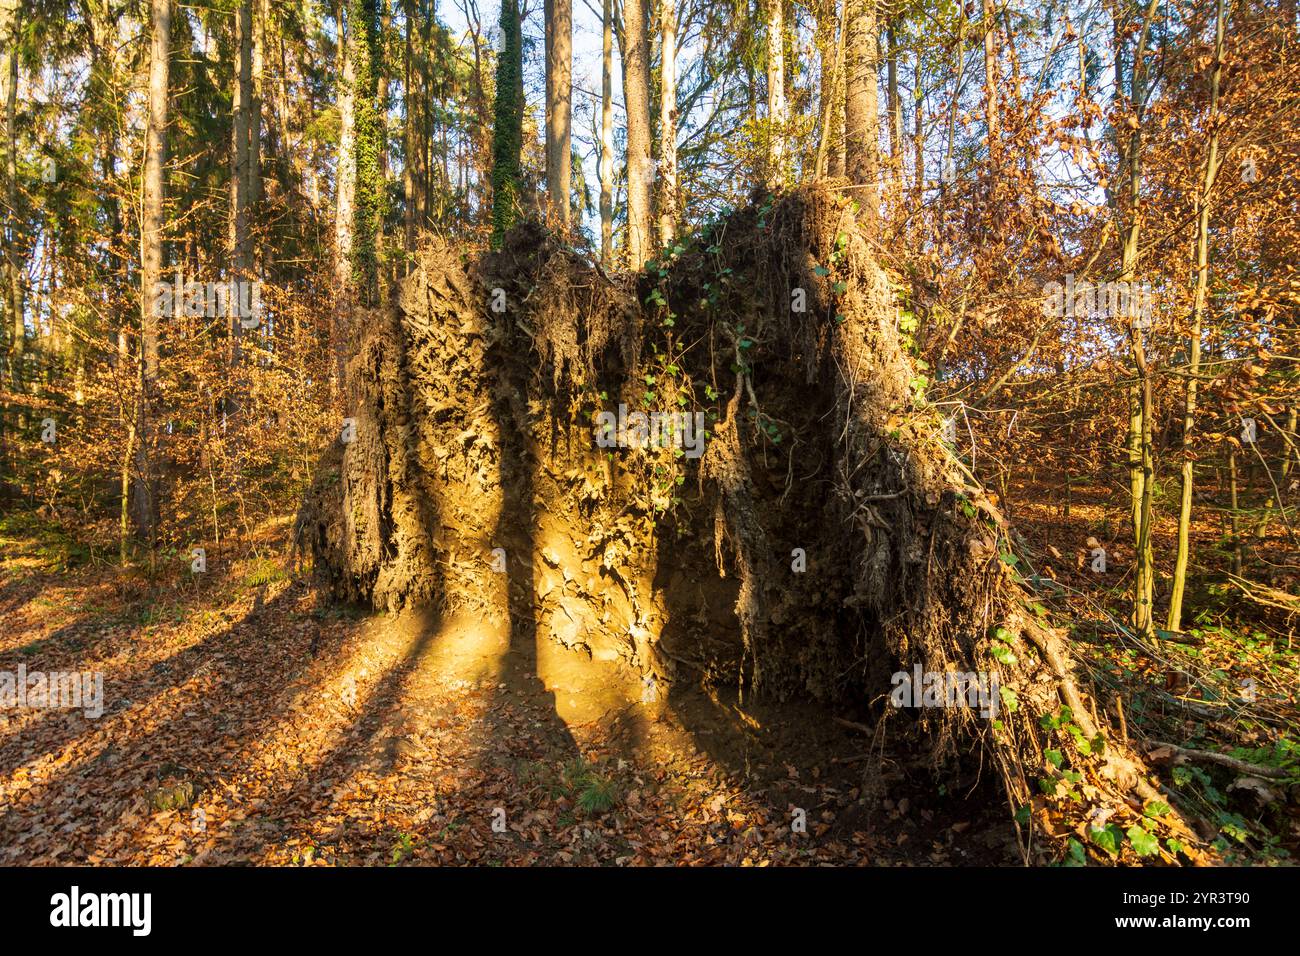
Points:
x=1108, y=839
x=1076, y=855
x=1144, y=844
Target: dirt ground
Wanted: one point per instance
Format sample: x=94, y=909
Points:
x=245, y=723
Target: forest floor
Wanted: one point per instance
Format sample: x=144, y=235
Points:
x=245, y=721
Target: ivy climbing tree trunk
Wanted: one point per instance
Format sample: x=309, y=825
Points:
x=368, y=215
x=13, y=293
x=344, y=195
x=409, y=136
x=508, y=123
x=667, y=179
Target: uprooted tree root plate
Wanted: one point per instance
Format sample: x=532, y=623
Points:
x=817, y=538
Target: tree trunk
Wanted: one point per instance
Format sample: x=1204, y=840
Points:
x=861, y=119
x=151, y=260
x=380, y=66
x=918, y=129
x=667, y=201
x=947, y=171
x=365, y=55
x=1140, y=456
x=507, y=126
x=896, y=148
x=240, y=157
x=1208, y=175
x=124, y=473
x=409, y=137
x=831, y=49
x=559, y=110
x=13, y=293
x=1235, y=520
x=256, y=87
x=835, y=162
x=776, y=117
x=991, y=75
x=636, y=97
x=345, y=185
x=1290, y=452
x=607, y=135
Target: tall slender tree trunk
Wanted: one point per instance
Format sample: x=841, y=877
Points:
x=1235, y=519
x=894, y=106
x=241, y=176
x=409, y=137
x=366, y=56
x=636, y=97
x=830, y=43
x=607, y=134
x=1140, y=456
x=776, y=114
x=380, y=66
x=1290, y=452
x=1175, y=618
x=345, y=183
x=423, y=82
x=667, y=200
x=861, y=116
x=13, y=291
x=947, y=170
x=918, y=128
x=346, y=172
x=896, y=147
x=991, y=79
x=151, y=262
x=256, y=87
x=559, y=109
x=128, y=454
x=507, y=126
x=835, y=153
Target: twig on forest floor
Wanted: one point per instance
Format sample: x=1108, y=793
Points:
x=853, y=725
x=1183, y=754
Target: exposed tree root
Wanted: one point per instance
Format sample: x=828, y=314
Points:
x=825, y=540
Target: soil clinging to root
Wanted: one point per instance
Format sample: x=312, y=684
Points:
x=823, y=539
